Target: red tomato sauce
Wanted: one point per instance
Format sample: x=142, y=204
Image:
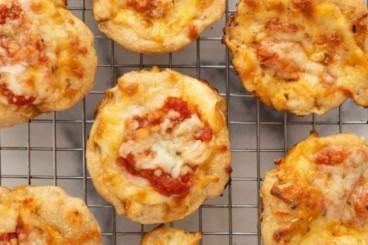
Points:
x=6, y=237
x=146, y=121
x=204, y=134
x=165, y=184
x=13, y=12
x=178, y=105
x=13, y=99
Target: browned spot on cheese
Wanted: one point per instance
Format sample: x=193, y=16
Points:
x=274, y=24
x=74, y=218
x=332, y=155
x=151, y=8
x=284, y=234
x=37, y=6
x=142, y=5
x=28, y=201
x=203, y=4
x=251, y=3
x=108, y=178
x=282, y=65
x=76, y=68
x=359, y=24
x=332, y=39
x=359, y=198
x=347, y=92
x=282, y=193
x=302, y=201
x=101, y=129
x=214, y=179
x=69, y=92
x=77, y=46
x=172, y=78
x=128, y=205
x=360, y=30
x=295, y=194
x=129, y=88
x=71, y=21
x=193, y=33
x=305, y=6
x=222, y=148
x=30, y=83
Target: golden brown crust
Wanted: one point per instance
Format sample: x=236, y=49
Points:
x=317, y=195
x=169, y=235
x=46, y=215
x=301, y=56
x=157, y=26
x=136, y=94
x=71, y=55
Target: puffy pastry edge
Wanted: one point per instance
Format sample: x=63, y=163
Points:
x=326, y=103
x=11, y=115
x=129, y=39
x=159, y=233
x=149, y=214
x=50, y=199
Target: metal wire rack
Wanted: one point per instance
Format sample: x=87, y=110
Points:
x=50, y=150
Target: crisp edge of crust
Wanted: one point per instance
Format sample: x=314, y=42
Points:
x=129, y=39
x=11, y=115
x=149, y=214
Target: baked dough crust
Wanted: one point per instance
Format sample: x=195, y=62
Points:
x=318, y=193
x=45, y=215
x=156, y=26
x=301, y=56
x=169, y=235
x=137, y=94
x=46, y=58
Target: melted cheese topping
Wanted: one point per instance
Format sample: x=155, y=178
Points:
x=158, y=18
x=35, y=39
x=319, y=193
x=155, y=147
x=8, y=220
x=301, y=56
x=160, y=110
x=132, y=99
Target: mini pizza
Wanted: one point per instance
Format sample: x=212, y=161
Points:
x=45, y=215
x=159, y=145
x=169, y=236
x=301, y=56
x=47, y=59
x=156, y=26
x=318, y=194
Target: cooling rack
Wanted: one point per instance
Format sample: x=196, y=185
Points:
x=50, y=150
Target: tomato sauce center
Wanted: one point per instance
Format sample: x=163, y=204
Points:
x=175, y=183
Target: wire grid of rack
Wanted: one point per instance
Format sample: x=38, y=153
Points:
x=50, y=150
